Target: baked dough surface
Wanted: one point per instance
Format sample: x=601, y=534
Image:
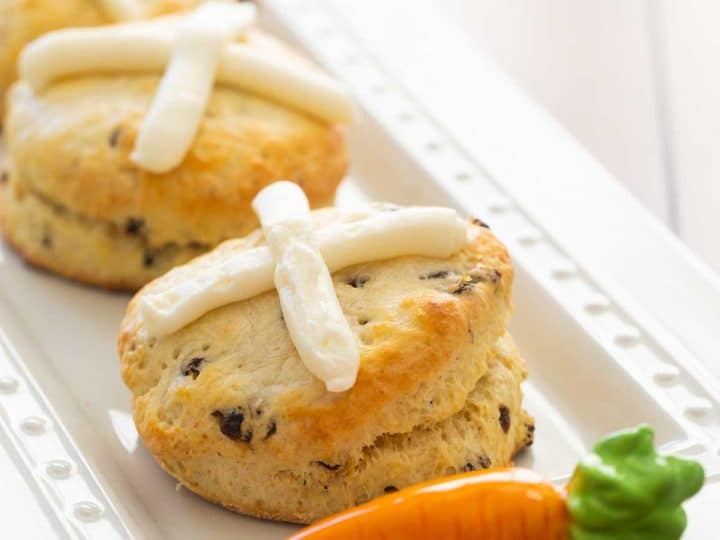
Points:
x=227, y=407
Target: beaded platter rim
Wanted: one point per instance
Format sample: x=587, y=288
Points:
x=55, y=468
x=81, y=507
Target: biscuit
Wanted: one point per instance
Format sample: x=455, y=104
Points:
x=227, y=407
x=75, y=203
x=21, y=21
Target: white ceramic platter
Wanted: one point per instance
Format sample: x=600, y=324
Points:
x=71, y=462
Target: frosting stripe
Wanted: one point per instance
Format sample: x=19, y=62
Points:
x=292, y=85
x=312, y=313
x=170, y=126
x=147, y=46
x=424, y=231
x=136, y=48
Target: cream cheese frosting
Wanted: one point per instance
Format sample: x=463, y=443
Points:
x=179, y=105
x=311, y=310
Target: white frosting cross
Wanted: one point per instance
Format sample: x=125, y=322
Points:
x=306, y=294
x=197, y=44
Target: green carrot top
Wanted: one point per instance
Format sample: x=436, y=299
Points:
x=625, y=490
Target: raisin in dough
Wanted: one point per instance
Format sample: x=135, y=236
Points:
x=227, y=407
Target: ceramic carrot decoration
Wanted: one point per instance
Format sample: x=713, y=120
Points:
x=622, y=490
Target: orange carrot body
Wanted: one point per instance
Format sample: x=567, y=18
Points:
x=498, y=504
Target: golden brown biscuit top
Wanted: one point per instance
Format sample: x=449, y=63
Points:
x=424, y=326
x=71, y=145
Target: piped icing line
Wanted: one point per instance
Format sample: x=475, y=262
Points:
x=312, y=313
x=375, y=234
x=170, y=126
x=146, y=47
x=142, y=47
x=123, y=10
x=290, y=84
